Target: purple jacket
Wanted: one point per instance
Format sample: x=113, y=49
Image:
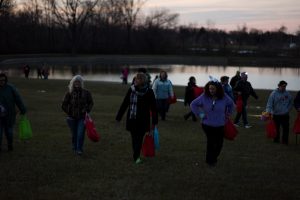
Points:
x=215, y=112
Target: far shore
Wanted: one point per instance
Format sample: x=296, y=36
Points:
x=60, y=59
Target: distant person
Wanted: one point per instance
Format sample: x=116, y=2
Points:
x=192, y=91
x=278, y=106
x=39, y=72
x=244, y=89
x=76, y=104
x=26, y=70
x=297, y=102
x=9, y=99
x=214, y=108
x=226, y=87
x=125, y=72
x=139, y=101
x=163, y=90
x=235, y=79
x=45, y=72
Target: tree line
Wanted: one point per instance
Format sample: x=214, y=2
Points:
x=120, y=27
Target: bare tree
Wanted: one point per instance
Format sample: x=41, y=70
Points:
x=162, y=18
x=72, y=15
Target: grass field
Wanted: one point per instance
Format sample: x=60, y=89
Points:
x=251, y=167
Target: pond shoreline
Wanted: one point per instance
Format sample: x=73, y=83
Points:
x=63, y=59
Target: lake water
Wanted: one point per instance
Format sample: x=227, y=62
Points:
x=260, y=77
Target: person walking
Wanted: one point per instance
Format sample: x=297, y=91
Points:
x=214, y=107
x=192, y=91
x=297, y=102
x=9, y=99
x=244, y=89
x=140, y=102
x=125, y=73
x=76, y=104
x=235, y=79
x=278, y=106
x=163, y=90
x=26, y=70
x=226, y=87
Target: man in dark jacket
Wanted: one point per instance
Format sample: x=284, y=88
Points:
x=9, y=99
x=235, y=79
x=244, y=88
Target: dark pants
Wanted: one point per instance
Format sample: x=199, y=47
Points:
x=162, y=107
x=282, y=120
x=186, y=116
x=215, y=138
x=243, y=114
x=8, y=132
x=137, y=141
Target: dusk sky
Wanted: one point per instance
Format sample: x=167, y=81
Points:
x=229, y=14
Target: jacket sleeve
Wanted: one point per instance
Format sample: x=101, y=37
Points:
x=171, y=91
x=90, y=102
x=154, y=87
x=196, y=104
x=153, y=108
x=270, y=103
x=252, y=92
x=297, y=101
x=124, y=106
x=66, y=102
x=19, y=102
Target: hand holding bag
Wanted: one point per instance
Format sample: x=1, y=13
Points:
x=25, y=131
x=91, y=132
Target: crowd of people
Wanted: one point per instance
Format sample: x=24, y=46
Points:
x=146, y=102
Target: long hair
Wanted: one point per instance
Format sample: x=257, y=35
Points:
x=219, y=92
x=75, y=78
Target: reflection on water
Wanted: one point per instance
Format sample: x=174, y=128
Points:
x=260, y=77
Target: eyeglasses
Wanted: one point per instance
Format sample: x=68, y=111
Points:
x=213, y=105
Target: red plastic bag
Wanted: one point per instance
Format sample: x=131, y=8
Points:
x=173, y=99
x=148, y=146
x=239, y=104
x=197, y=91
x=296, y=128
x=91, y=132
x=230, y=131
x=271, y=129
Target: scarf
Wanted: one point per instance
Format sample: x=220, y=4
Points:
x=134, y=98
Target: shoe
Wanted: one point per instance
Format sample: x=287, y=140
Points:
x=236, y=125
x=138, y=161
x=79, y=153
x=248, y=126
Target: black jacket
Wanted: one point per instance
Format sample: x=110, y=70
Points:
x=145, y=104
x=246, y=90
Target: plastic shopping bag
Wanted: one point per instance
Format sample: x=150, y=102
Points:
x=25, y=131
x=230, y=131
x=91, y=132
x=271, y=129
x=156, y=138
x=296, y=128
x=148, y=146
x=239, y=104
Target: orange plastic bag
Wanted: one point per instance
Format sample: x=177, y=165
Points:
x=239, y=104
x=271, y=129
x=230, y=131
x=172, y=100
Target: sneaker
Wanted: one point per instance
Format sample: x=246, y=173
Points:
x=236, y=125
x=79, y=153
x=248, y=126
x=138, y=161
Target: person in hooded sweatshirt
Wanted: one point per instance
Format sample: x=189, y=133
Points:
x=279, y=104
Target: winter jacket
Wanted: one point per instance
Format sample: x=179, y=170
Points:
x=279, y=103
x=77, y=103
x=246, y=90
x=9, y=98
x=162, y=89
x=145, y=104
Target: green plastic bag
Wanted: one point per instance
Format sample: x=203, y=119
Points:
x=25, y=131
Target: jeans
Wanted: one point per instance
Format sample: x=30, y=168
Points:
x=77, y=128
x=282, y=121
x=162, y=107
x=8, y=131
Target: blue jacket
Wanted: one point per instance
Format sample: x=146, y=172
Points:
x=162, y=89
x=279, y=103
